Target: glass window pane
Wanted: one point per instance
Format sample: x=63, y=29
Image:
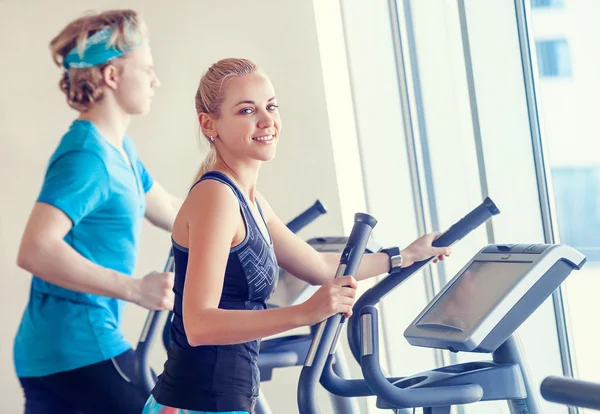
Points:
x=568, y=117
x=386, y=172
x=547, y=3
x=447, y=138
x=509, y=160
x=553, y=58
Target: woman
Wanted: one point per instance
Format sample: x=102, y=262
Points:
x=81, y=239
x=228, y=244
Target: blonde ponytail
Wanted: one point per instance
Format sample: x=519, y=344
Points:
x=209, y=161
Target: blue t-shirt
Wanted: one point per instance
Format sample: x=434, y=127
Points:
x=103, y=195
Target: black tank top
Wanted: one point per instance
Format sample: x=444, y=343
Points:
x=220, y=377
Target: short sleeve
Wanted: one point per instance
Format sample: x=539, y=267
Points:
x=145, y=176
x=76, y=183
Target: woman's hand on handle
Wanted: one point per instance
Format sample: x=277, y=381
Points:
x=335, y=296
x=422, y=249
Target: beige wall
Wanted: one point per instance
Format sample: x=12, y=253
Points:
x=281, y=36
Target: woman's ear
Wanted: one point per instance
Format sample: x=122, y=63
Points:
x=208, y=124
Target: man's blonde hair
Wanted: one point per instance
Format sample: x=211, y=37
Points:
x=83, y=86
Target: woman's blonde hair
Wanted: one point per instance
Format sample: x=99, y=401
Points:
x=83, y=86
x=209, y=97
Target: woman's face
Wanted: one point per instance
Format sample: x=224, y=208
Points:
x=248, y=125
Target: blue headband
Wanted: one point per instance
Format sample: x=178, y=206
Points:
x=96, y=52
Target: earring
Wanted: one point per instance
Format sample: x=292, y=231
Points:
x=212, y=139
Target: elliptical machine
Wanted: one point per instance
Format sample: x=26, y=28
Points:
x=318, y=365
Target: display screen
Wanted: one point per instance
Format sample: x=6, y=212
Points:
x=475, y=294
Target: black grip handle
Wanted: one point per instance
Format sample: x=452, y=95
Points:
x=307, y=217
x=571, y=392
x=357, y=243
x=327, y=332
x=468, y=223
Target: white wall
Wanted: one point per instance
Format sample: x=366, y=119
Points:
x=186, y=38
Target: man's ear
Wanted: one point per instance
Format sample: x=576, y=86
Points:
x=111, y=75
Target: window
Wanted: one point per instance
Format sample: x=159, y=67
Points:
x=553, y=58
x=547, y=3
x=466, y=126
x=569, y=127
x=468, y=131
x=577, y=199
x=465, y=150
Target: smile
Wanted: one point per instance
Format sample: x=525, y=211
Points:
x=267, y=139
